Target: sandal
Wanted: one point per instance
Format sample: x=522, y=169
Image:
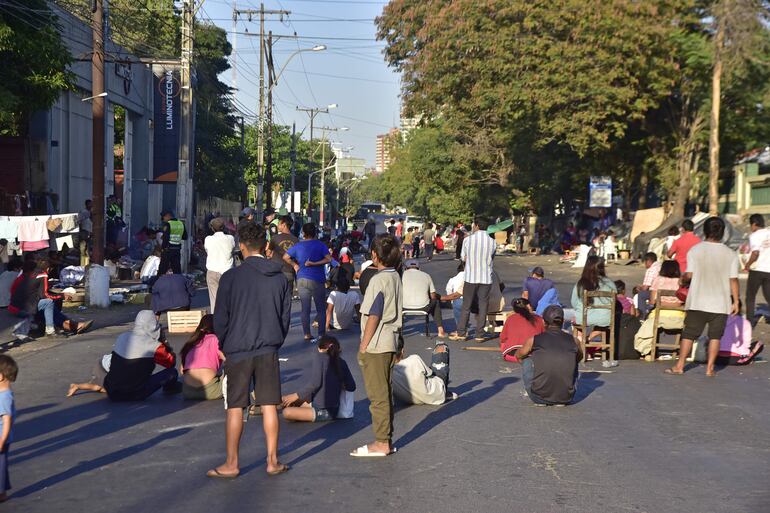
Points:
x=671, y=371
x=758, y=348
x=82, y=327
x=219, y=475
x=456, y=336
x=281, y=470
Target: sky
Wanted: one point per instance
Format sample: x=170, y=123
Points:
x=351, y=72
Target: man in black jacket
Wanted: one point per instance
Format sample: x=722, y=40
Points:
x=251, y=321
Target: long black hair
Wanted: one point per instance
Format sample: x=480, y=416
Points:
x=593, y=272
x=670, y=269
x=521, y=307
x=333, y=350
x=205, y=327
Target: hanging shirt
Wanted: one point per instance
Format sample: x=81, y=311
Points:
x=32, y=231
x=8, y=229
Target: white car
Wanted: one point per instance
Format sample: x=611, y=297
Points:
x=414, y=222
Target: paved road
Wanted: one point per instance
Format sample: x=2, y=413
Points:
x=636, y=440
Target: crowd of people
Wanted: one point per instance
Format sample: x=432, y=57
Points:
x=254, y=275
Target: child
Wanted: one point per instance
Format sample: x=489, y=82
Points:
x=319, y=399
x=201, y=363
x=625, y=302
x=98, y=374
x=8, y=372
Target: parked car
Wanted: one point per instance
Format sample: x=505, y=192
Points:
x=414, y=222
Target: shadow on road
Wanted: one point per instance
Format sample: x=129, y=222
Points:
x=94, y=464
x=587, y=383
x=460, y=405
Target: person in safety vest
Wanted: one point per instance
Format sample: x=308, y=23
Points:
x=174, y=233
x=271, y=222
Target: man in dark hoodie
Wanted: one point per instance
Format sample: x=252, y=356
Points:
x=251, y=321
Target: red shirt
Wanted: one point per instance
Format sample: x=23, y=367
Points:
x=681, y=247
x=516, y=331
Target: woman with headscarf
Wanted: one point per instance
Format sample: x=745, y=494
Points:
x=133, y=360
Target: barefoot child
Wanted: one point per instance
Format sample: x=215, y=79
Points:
x=8, y=372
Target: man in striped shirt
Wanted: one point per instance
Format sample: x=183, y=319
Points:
x=477, y=253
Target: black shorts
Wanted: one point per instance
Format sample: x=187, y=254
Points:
x=695, y=321
x=263, y=371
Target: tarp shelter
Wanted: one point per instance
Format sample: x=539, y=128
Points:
x=499, y=227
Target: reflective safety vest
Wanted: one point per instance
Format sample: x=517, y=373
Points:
x=176, y=232
x=272, y=228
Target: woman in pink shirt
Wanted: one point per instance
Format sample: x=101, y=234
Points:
x=201, y=362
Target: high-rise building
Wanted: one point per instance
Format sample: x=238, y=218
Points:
x=385, y=144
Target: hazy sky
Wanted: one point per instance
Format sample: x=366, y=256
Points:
x=350, y=73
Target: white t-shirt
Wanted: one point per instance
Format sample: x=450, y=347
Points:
x=150, y=267
x=344, y=308
x=418, y=286
x=219, y=252
x=456, y=284
x=760, y=241
x=712, y=265
x=412, y=385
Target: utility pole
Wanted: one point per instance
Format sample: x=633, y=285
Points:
x=244, y=191
x=270, y=74
x=184, y=181
x=323, y=173
x=261, y=122
x=234, y=52
x=97, y=116
x=293, y=165
x=312, y=112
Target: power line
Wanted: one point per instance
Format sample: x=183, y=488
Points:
x=319, y=38
x=341, y=77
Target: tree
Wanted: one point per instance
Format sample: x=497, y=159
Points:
x=739, y=31
x=34, y=63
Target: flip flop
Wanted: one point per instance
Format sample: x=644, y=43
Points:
x=83, y=327
x=363, y=452
x=673, y=372
x=758, y=348
x=456, y=336
x=218, y=475
x=284, y=468
x=711, y=374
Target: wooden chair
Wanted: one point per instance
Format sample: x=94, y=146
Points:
x=656, y=344
x=607, y=341
x=494, y=318
x=184, y=322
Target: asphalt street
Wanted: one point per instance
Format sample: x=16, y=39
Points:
x=635, y=440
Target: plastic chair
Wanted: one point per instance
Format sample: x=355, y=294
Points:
x=659, y=306
x=606, y=342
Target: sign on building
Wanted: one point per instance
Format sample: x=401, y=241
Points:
x=600, y=192
x=166, y=125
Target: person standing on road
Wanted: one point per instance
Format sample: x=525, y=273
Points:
x=681, y=246
x=714, y=294
x=429, y=237
x=251, y=323
x=174, y=232
x=459, y=237
x=478, y=253
x=308, y=257
x=280, y=244
x=219, y=257
x=758, y=265
x=380, y=330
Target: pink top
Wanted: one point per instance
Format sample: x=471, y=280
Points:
x=737, y=337
x=204, y=355
x=662, y=283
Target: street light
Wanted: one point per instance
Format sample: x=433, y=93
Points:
x=317, y=48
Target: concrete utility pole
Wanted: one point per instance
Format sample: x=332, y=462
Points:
x=97, y=115
x=270, y=77
x=184, y=179
x=313, y=112
x=261, y=123
x=244, y=191
x=293, y=165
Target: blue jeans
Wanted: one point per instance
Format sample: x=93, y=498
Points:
x=527, y=374
x=53, y=316
x=457, y=307
x=312, y=290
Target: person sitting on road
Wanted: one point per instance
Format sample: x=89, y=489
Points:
x=149, y=272
x=454, y=291
x=31, y=298
x=172, y=292
x=342, y=306
x=201, y=363
x=535, y=286
x=420, y=293
x=9, y=276
x=133, y=361
x=518, y=328
x=364, y=275
x=319, y=399
x=550, y=362
x=414, y=382
x=593, y=279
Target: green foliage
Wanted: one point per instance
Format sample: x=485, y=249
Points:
x=34, y=63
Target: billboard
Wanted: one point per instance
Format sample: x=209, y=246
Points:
x=165, y=161
x=600, y=192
